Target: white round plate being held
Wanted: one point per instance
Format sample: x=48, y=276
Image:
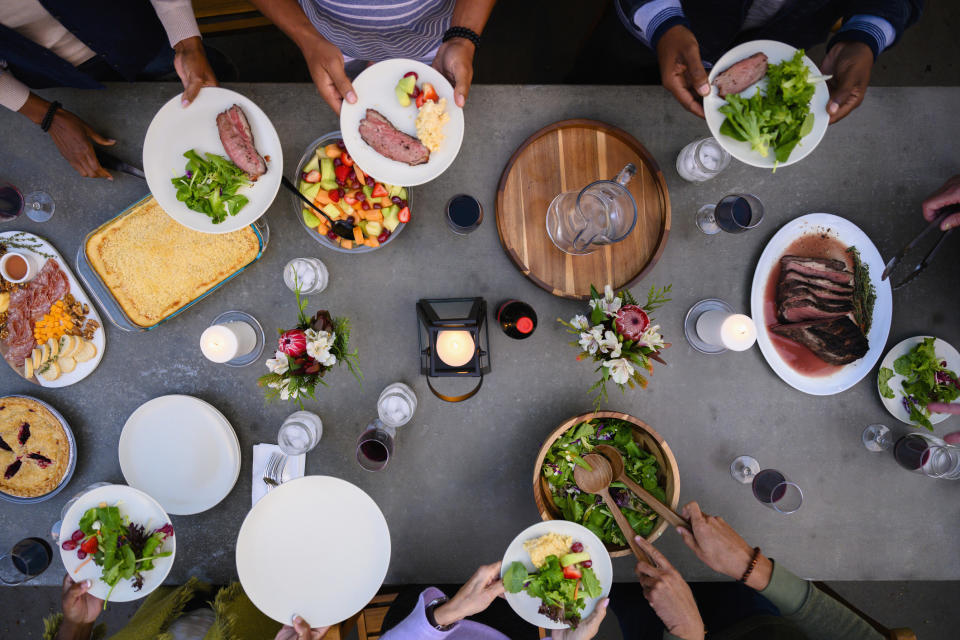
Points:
x=175, y=130
x=182, y=451
x=742, y=151
x=848, y=234
x=317, y=547
x=526, y=606
x=375, y=90
x=944, y=351
x=137, y=507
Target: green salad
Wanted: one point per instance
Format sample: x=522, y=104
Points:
x=926, y=380
x=559, y=583
x=778, y=118
x=210, y=186
x=590, y=510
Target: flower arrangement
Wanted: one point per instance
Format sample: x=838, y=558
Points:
x=619, y=335
x=305, y=354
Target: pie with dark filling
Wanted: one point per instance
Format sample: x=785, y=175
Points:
x=34, y=450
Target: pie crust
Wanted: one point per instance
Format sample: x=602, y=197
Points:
x=34, y=449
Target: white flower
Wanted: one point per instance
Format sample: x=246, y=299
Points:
x=610, y=303
x=580, y=322
x=610, y=344
x=620, y=370
x=590, y=340
x=319, y=345
x=651, y=337
x=279, y=363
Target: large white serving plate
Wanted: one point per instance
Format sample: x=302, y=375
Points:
x=527, y=606
x=83, y=369
x=137, y=507
x=944, y=351
x=175, y=130
x=317, y=547
x=742, y=151
x=182, y=451
x=375, y=90
x=850, y=235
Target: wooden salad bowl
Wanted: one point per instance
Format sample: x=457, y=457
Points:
x=648, y=440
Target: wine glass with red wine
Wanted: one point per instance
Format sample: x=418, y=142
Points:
x=770, y=486
x=375, y=446
x=27, y=559
x=39, y=205
x=735, y=213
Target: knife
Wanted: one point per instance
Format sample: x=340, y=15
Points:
x=108, y=161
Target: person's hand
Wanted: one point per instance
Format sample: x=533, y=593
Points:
x=850, y=63
x=473, y=597
x=669, y=594
x=946, y=195
x=326, y=68
x=74, y=138
x=681, y=68
x=300, y=631
x=587, y=628
x=190, y=61
x=721, y=548
x=455, y=61
x=79, y=607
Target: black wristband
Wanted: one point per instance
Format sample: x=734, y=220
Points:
x=462, y=32
x=430, y=608
x=48, y=118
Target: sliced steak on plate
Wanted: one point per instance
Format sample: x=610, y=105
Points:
x=741, y=75
x=834, y=270
x=390, y=142
x=826, y=283
x=801, y=308
x=793, y=288
x=237, y=139
x=836, y=341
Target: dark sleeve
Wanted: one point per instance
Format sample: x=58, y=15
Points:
x=648, y=20
x=900, y=14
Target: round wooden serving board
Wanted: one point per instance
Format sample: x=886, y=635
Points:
x=567, y=156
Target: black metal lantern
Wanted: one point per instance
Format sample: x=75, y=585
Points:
x=454, y=341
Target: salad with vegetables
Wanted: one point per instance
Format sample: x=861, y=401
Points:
x=590, y=510
x=926, y=379
x=210, y=186
x=560, y=582
x=124, y=550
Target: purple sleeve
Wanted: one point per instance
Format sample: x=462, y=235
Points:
x=416, y=627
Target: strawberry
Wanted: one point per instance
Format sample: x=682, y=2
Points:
x=572, y=572
x=346, y=159
x=342, y=172
x=429, y=93
x=313, y=176
x=350, y=198
x=420, y=100
x=89, y=545
x=334, y=195
x=379, y=191
x=404, y=215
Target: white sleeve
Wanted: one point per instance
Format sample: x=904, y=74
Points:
x=177, y=19
x=13, y=93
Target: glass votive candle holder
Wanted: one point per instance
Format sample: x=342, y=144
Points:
x=309, y=274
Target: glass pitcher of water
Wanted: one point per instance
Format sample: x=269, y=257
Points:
x=603, y=212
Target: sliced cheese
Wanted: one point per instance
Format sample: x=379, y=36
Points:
x=86, y=352
x=44, y=353
x=28, y=368
x=51, y=373
x=68, y=344
x=54, y=346
x=35, y=357
x=67, y=364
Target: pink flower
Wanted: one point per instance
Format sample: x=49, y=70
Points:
x=631, y=322
x=293, y=342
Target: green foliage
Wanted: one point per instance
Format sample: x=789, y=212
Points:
x=210, y=185
x=926, y=380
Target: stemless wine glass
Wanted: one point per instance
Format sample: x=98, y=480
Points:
x=770, y=486
x=735, y=213
x=300, y=433
x=876, y=438
x=26, y=560
x=375, y=446
x=702, y=160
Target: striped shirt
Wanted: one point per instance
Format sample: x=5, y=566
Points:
x=381, y=29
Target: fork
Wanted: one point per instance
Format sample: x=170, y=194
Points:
x=273, y=472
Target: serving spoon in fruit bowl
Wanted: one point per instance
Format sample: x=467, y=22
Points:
x=343, y=228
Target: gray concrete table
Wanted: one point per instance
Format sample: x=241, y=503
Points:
x=459, y=487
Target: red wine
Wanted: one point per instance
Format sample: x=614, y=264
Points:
x=464, y=213
x=11, y=202
x=733, y=214
x=374, y=450
x=912, y=452
x=767, y=486
x=517, y=319
x=31, y=556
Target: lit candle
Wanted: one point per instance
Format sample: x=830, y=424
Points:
x=455, y=348
x=733, y=331
x=224, y=342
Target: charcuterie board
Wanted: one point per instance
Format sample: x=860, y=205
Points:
x=32, y=301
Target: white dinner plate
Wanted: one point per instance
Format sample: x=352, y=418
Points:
x=850, y=235
x=375, y=90
x=944, y=351
x=138, y=507
x=527, y=606
x=742, y=151
x=175, y=130
x=317, y=547
x=182, y=451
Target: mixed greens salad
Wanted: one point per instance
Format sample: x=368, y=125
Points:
x=778, y=118
x=560, y=584
x=210, y=186
x=926, y=380
x=122, y=549
x=590, y=510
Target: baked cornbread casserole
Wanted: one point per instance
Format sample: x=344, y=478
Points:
x=153, y=265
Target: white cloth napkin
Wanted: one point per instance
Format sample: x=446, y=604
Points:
x=261, y=455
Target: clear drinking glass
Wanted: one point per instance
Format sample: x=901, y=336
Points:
x=735, y=213
x=744, y=468
x=27, y=559
x=375, y=446
x=396, y=405
x=702, y=160
x=602, y=213
x=876, y=438
x=11, y=202
x=310, y=274
x=300, y=433
x=944, y=462
x=55, y=529
x=770, y=486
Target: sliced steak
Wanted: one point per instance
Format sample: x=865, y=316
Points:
x=390, y=142
x=836, y=341
x=792, y=288
x=741, y=75
x=237, y=139
x=818, y=268
x=802, y=308
x=796, y=276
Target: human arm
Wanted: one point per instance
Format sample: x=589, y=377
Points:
x=73, y=137
x=669, y=594
x=946, y=195
x=190, y=59
x=80, y=610
x=454, y=58
x=301, y=631
x=323, y=58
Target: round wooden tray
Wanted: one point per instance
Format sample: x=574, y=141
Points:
x=567, y=156
x=646, y=437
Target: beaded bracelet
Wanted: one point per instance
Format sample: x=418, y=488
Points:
x=48, y=118
x=753, y=564
x=462, y=32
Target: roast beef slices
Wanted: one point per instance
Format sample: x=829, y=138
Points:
x=237, y=139
x=741, y=75
x=390, y=142
x=836, y=341
x=823, y=268
x=825, y=283
x=808, y=307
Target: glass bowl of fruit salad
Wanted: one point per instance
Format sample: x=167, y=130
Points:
x=329, y=177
